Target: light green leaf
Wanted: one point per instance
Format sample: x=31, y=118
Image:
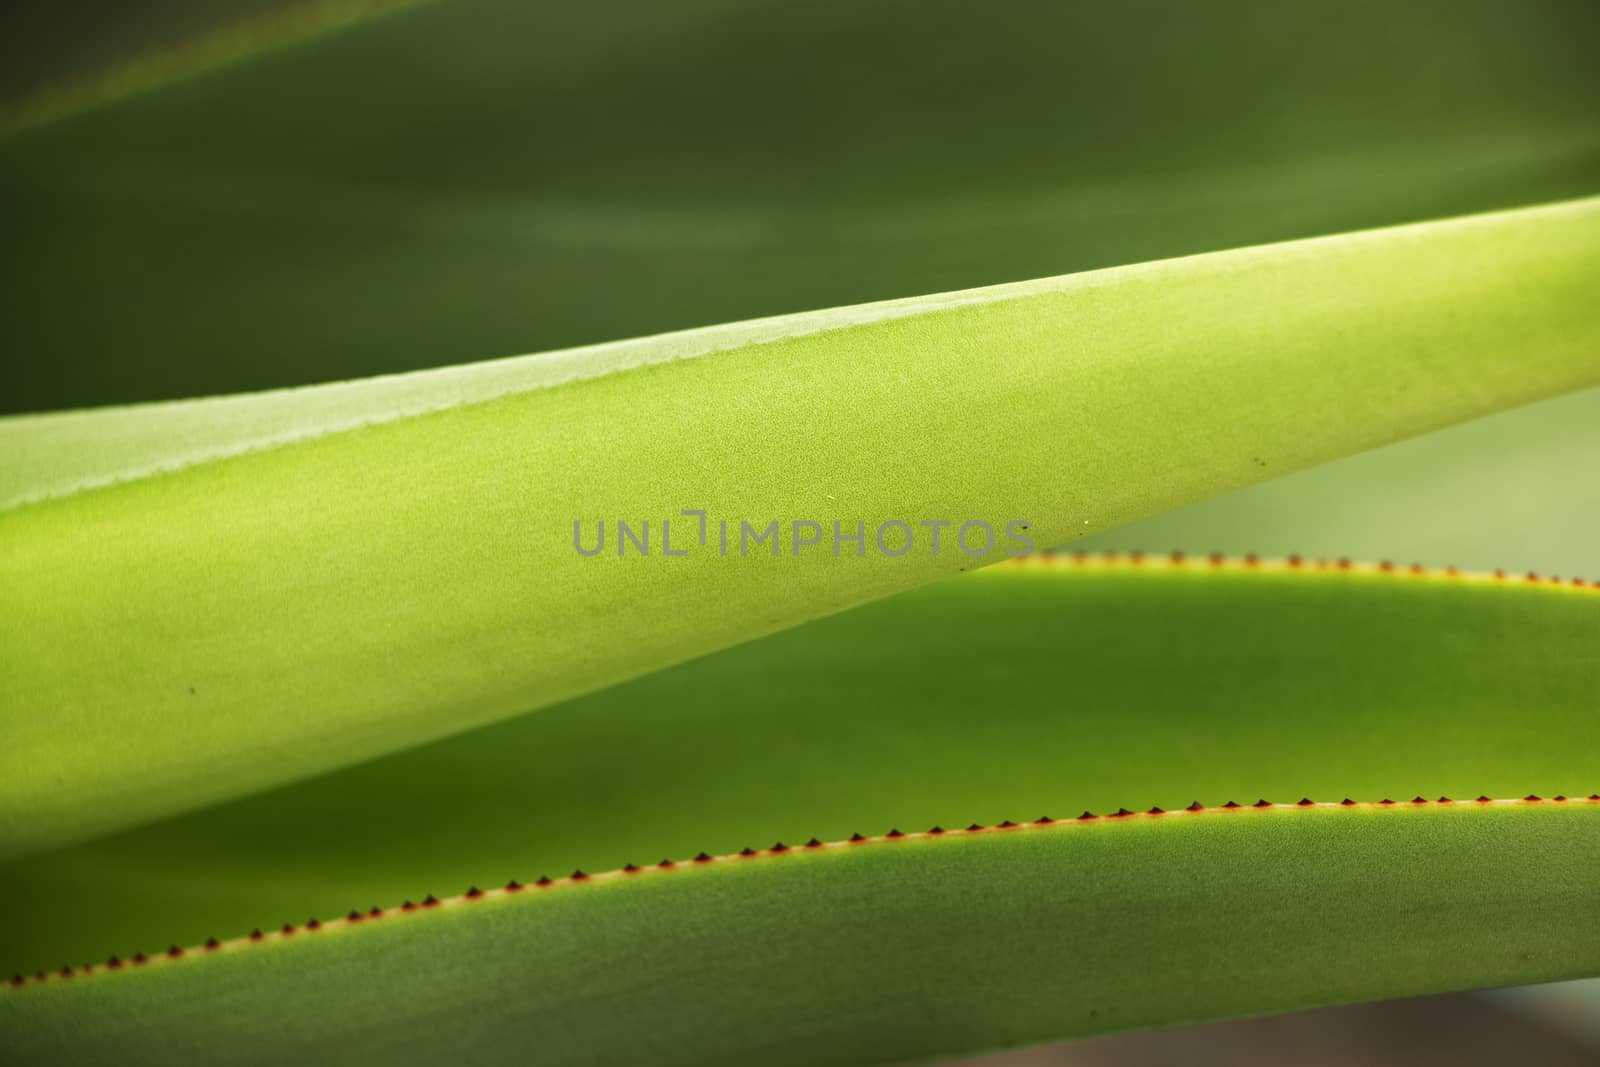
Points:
x=267, y=607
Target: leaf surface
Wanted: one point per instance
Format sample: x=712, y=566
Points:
x=245, y=620
x=1503, y=491
x=1020, y=691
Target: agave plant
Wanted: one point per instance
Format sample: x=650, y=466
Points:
x=630, y=701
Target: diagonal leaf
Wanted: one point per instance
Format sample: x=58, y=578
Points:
x=232, y=624
x=183, y=637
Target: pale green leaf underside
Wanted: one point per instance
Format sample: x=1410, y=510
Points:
x=237, y=623
x=1017, y=692
x=1503, y=491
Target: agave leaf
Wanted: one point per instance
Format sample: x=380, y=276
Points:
x=875, y=954
x=197, y=625
x=1000, y=696
x=363, y=208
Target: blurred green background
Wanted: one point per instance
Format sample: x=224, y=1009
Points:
x=466, y=179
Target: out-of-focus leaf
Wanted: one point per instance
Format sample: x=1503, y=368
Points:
x=478, y=178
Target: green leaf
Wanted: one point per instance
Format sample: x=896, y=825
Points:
x=264, y=604
x=1023, y=690
x=1503, y=491
x=463, y=180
